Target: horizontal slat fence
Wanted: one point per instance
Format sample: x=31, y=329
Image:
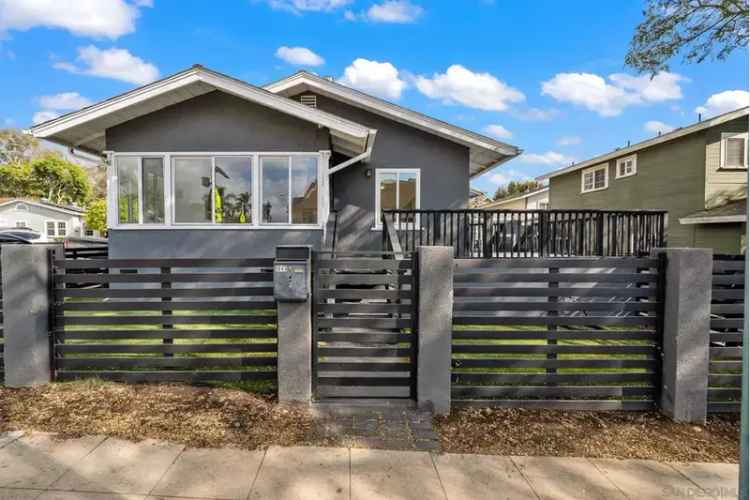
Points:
x=530, y=233
x=156, y=320
x=574, y=333
x=364, y=339
x=727, y=327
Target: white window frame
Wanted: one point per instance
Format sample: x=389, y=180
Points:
x=54, y=228
x=169, y=220
x=379, y=173
x=603, y=166
x=24, y=222
x=65, y=225
x=732, y=135
x=634, y=158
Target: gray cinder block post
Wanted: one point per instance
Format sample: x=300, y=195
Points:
x=687, y=310
x=26, y=306
x=294, y=309
x=435, y=321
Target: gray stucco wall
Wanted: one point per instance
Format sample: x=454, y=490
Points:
x=206, y=243
x=444, y=174
x=213, y=122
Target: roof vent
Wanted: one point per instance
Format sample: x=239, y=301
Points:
x=309, y=100
x=329, y=78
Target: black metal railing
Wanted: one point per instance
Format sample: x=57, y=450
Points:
x=528, y=233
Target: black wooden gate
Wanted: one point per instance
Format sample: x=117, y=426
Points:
x=364, y=327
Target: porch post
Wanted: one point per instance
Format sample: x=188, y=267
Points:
x=435, y=296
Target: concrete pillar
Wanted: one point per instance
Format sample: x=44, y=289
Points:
x=26, y=311
x=687, y=310
x=435, y=291
x=294, y=370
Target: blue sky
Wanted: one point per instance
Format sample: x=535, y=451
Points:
x=547, y=76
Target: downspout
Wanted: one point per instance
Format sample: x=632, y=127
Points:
x=363, y=157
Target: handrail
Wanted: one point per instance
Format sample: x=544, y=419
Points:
x=477, y=233
x=391, y=238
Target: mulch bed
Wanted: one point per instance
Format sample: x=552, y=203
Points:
x=644, y=435
x=213, y=417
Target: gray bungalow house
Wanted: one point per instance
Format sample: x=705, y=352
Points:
x=204, y=165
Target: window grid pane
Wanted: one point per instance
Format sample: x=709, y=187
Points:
x=304, y=190
x=192, y=190
x=152, y=178
x=275, y=188
x=127, y=190
x=233, y=199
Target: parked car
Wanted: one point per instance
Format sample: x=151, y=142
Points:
x=14, y=235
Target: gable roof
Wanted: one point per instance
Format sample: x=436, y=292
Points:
x=85, y=129
x=44, y=204
x=670, y=136
x=503, y=201
x=485, y=153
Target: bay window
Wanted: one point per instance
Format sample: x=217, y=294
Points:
x=232, y=189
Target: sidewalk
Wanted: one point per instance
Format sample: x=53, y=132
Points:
x=37, y=466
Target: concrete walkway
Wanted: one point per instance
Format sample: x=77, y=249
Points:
x=37, y=466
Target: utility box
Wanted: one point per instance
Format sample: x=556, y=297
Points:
x=291, y=273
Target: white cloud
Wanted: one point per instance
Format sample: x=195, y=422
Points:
x=299, y=56
x=65, y=101
x=664, y=86
x=569, y=140
x=609, y=99
x=503, y=177
x=657, y=127
x=459, y=85
x=552, y=158
x=723, y=102
x=537, y=114
x=96, y=18
x=43, y=116
x=394, y=11
x=299, y=6
x=111, y=63
x=498, y=131
x=379, y=78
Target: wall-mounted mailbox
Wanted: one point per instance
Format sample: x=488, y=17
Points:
x=291, y=274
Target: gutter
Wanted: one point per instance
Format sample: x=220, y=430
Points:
x=364, y=157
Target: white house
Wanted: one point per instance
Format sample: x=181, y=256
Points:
x=53, y=222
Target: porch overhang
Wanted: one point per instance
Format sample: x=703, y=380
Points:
x=85, y=129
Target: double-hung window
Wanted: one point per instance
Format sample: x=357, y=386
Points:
x=734, y=150
x=56, y=228
x=595, y=178
x=396, y=189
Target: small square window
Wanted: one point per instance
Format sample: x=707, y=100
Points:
x=62, y=229
x=21, y=224
x=595, y=178
x=627, y=166
x=50, y=226
x=89, y=233
x=734, y=150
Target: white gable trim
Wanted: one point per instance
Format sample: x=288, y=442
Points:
x=345, y=129
x=54, y=208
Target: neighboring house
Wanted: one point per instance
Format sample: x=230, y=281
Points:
x=477, y=198
x=697, y=173
x=53, y=222
x=532, y=200
x=201, y=164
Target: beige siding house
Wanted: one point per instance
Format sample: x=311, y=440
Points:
x=533, y=200
x=697, y=173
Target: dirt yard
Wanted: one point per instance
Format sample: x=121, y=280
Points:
x=212, y=417
x=589, y=434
